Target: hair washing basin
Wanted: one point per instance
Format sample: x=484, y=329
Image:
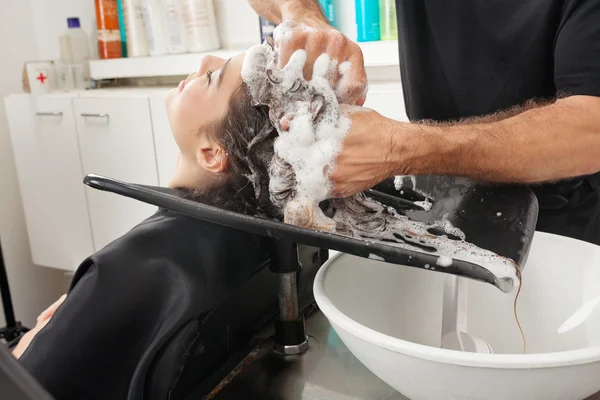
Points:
x=391, y=319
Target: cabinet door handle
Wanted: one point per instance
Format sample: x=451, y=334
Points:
x=49, y=114
x=94, y=115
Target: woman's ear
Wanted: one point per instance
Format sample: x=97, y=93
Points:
x=210, y=155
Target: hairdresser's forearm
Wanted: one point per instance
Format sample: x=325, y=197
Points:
x=557, y=141
x=277, y=11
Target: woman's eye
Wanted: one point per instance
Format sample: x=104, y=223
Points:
x=209, y=73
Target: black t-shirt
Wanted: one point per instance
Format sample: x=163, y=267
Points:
x=462, y=58
x=129, y=298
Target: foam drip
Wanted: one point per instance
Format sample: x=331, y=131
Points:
x=368, y=219
x=447, y=226
x=399, y=181
x=376, y=257
x=426, y=204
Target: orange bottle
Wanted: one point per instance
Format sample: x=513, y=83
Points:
x=109, y=36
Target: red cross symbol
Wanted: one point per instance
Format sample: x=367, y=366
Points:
x=41, y=77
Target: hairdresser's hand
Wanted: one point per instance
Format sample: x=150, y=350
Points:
x=369, y=154
x=308, y=29
x=42, y=321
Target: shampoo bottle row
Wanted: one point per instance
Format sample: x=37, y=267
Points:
x=376, y=20
x=361, y=20
x=137, y=28
x=180, y=26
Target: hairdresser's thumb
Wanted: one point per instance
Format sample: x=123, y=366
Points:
x=284, y=123
x=361, y=100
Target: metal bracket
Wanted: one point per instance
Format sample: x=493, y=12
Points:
x=290, y=333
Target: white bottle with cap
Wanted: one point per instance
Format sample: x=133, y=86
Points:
x=154, y=22
x=200, y=25
x=133, y=14
x=80, y=41
x=75, y=54
x=176, y=37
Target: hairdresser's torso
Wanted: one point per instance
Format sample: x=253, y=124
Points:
x=472, y=58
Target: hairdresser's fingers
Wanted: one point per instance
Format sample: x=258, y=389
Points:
x=316, y=43
x=288, y=46
x=343, y=191
x=284, y=123
x=366, y=157
x=336, y=49
x=336, y=46
x=352, y=88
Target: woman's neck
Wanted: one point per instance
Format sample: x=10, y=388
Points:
x=190, y=175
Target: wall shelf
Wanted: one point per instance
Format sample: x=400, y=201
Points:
x=376, y=54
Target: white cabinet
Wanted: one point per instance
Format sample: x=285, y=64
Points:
x=166, y=148
x=122, y=134
x=116, y=140
x=44, y=141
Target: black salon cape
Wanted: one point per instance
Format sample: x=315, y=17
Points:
x=126, y=300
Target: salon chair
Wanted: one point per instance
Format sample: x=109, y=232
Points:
x=277, y=298
x=282, y=291
x=199, y=361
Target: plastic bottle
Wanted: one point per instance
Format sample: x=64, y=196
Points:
x=200, y=25
x=79, y=40
x=109, y=36
x=387, y=20
x=266, y=28
x=329, y=10
x=346, y=18
x=78, y=46
x=66, y=54
x=176, y=37
x=154, y=22
x=367, y=20
x=122, y=28
x=137, y=42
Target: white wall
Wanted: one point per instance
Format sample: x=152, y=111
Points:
x=50, y=21
x=238, y=23
x=33, y=288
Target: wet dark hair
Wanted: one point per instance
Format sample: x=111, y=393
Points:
x=247, y=136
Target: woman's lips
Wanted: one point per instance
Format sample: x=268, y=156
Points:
x=182, y=85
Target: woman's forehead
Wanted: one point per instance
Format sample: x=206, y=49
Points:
x=234, y=69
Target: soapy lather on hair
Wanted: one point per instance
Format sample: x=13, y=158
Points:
x=311, y=129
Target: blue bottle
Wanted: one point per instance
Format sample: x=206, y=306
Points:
x=122, y=27
x=329, y=10
x=367, y=20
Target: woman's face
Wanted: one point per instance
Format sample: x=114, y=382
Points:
x=201, y=100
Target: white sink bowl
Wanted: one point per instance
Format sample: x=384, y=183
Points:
x=389, y=316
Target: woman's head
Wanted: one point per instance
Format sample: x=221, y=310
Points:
x=194, y=107
x=225, y=142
